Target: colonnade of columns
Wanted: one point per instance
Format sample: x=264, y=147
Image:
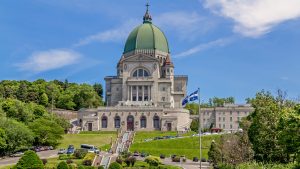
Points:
x=139, y=92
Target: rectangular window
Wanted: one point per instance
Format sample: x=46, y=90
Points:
x=230, y=118
x=223, y=126
x=163, y=99
x=223, y=118
x=219, y=125
x=230, y=126
x=231, y=113
x=219, y=118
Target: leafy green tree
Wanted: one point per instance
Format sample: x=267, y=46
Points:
x=214, y=153
x=62, y=165
x=3, y=140
x=65, y=101
x=98, y=88
x=195, y=125
x=219, y=102
x=115, y=165
x=22, y=92
x=30, y=160
x=18, y=135
x=46, y=132
x=17, y=110
x=44, y=99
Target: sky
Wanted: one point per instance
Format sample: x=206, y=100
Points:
x=226, y=47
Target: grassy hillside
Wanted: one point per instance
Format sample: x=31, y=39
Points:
x=188, y=146
x=98, y=139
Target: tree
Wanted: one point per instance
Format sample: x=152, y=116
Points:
x=3, y=140
x=46, y=132
x=115, y=165
x=195, y=125
x=214, y=153
x=99, y=90
x=62, y=165
x=30, y=160
x=44, y=99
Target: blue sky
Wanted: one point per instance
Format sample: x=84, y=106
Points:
x=226, y=47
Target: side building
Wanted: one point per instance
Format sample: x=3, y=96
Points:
x=226, y=118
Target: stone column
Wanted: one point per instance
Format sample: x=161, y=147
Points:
x=143, y=89
x=130, y=93
x=137, y=93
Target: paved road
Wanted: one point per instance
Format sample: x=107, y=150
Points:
x=42, y=154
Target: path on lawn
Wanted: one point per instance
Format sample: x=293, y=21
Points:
x=42, y=155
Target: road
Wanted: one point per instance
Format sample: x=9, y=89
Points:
x=42, y=155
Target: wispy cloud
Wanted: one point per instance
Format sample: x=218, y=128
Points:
x=254, y=18
x=186, y=24
x=112, y=35
x=48, y=60
x=204, y=46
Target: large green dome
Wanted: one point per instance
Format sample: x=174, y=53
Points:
x=146, y=36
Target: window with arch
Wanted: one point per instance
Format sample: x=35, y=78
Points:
x=117, y=122
x=156, y=123
x=104, y=122
x=143, y=122
x=140, y=73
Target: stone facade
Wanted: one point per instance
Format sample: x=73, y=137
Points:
x=226, y=117
x=145, y=94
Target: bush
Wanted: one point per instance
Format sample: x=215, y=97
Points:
x=44, y=161
x=132, y=160
x=62, y=165
x=81, y=167
x=183, y=159
x=119, y=160
x=115, y=165
x=152, y=160
x=30, y=160
x=64, y=157
x=87, y=162
x=80, y=153
x=69, y=161
x=100, y=167
x=88, y=159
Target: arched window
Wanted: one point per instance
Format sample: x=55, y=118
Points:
x=143, y=122
x=140, y=73
x=104, y=122
x=117, y=122
x=156, y=123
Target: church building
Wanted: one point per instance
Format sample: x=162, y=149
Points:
x=145, y=95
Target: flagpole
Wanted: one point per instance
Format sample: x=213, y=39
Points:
x=200, y=128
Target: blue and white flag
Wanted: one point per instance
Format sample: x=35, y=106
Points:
x=185, y=101
x=192, y=97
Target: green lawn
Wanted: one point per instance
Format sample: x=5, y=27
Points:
x=142, y=135
x=188, y=146
x=99, y=139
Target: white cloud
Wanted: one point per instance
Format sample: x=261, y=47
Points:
x=112, y=35
x=186, y=24
x=48, y=60
x=204, y=46
x=254, y=18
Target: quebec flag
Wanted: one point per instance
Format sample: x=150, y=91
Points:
x=192, y=97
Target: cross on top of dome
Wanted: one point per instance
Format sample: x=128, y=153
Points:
x=147, y=17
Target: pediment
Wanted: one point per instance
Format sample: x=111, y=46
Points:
x=140, y=58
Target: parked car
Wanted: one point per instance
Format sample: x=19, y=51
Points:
x=144, y=154
x=61, y=151
x=37, y=149
x=195, y=159
x=136, y=153
x=17, y=154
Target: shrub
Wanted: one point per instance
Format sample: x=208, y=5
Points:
x=100, y=167
x=44, y=161
x=88, y=159
x=69, y=161
x=64, y=157
x=87, y=162
x=152, y=160
x=81, y=167
x=115, y=165
x=72, y=166
x=183, y=159
x=30, y=160
x=119, y=160
x=80, y=153
x=127, y=162
x=62, y=165
x=132, y=160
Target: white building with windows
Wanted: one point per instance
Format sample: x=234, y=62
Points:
x=145, y=94
x=226, y=117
